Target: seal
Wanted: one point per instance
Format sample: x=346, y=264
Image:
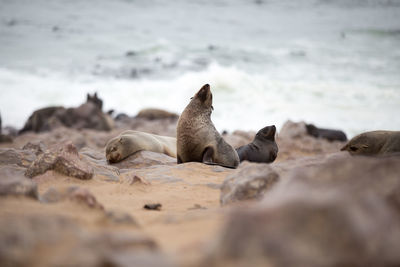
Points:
x=129, y=142
x=329, y=134
x=197, y=138
x=262, y=149
x=374, y=143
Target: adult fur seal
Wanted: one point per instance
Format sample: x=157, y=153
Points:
x=197, y=138
x=262, y=149
x=374, y=143
x=329, y=134
x=129, y=142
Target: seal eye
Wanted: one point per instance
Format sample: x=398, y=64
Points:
x=353, y=148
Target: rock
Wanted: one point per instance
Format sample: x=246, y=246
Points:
x=5, y=138
x=142, y=159
x=249, y=181
x=88, y=115
x=53, y=240
x=293, y=142
x=41, y=121
x=341, y=212
x=156, y=114
x=100, y=166
x=14, y=183
x=22, y=158
x=152, y=206
x=63, y=159
x=301, y=231
x=35, y=147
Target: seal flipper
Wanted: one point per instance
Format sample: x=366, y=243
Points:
x=208, y=156
x=179, y=161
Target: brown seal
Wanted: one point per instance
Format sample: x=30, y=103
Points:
x=129, y=142
x=262, y=149
x=374, y=143
x=197, y=138
x=329, y=134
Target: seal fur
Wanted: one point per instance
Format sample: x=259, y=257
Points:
x=197, y=138
x=374, y=143
x=129, y=142
x=263, y=149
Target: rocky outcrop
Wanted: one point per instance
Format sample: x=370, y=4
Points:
x=88, y=115
x=249, y=181
x=14, y=183
x=294, y=141
x=342, y=212
x=63, y=159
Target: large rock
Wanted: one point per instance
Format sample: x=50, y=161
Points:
x=101, y=168
x=343, y=212
x=14, y=183
x=294, y=141
x=143, y=159
x=88, y=115
x=249, y=181
x=63, y=159
x=53, y=240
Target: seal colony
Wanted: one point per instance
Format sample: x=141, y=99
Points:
x=197, y=138
x=129, y=142
x=199, y=141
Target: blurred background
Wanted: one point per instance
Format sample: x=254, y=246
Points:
x=332, y=63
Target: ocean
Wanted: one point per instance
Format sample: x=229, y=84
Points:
x=332, y=63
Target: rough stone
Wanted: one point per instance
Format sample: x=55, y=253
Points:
x=19, y=157
x=341, y=212
x=63, y=159
x=142, y=159
x=249, y=181
x=14, y=183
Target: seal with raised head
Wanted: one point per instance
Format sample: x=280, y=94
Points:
x=262, y=149
x=329, y=134
x=197, y=138
x=374, y=143
x=129, y=142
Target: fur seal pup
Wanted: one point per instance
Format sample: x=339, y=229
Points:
x=329, y=134
x=374, y=143
x=197, y=138
x=129, y=142
x=262, y=149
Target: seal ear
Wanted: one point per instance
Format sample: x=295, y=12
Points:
x=202, y=94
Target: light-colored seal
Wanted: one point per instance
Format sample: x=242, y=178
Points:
x=262, y=149
x=197, y=138
x=374, y=143
x=129, y=142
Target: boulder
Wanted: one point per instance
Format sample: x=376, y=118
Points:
x=143, y=159
x=63, y=159
x=249, y=181
x=341, y=212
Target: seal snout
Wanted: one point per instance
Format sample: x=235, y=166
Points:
x=268, y=132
